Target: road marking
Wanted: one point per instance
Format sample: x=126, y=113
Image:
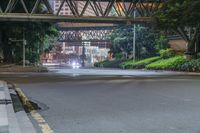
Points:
x=45, y=128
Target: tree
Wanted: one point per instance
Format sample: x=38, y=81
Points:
x=122, y=41
x=37, y=35
x=183, y=18
x=161, y=42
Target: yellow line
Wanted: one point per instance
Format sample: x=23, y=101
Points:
x=45, y=128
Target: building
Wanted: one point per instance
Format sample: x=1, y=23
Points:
x=65, y=10
x=93, y=53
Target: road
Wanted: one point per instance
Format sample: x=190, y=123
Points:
x=114, y=104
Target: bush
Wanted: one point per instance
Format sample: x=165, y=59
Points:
x=190, y=66
x=142, y=63
x=118, y=56
x=139, y=64
x=198, y=55
x=98, y=64
x=166, y=53
x=167, y=64
x=109, y=64
x=127, y=64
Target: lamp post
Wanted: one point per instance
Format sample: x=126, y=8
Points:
x=134, y=34
x=24, y=53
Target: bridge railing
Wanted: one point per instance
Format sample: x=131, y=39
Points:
x=79, y=10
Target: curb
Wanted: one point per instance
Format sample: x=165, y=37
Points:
x=45, y=128
x=11, y=121
x=3, y=111
x=8, y=112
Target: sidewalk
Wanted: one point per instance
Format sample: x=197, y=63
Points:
x=10, y=121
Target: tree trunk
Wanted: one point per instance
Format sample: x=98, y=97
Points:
x=190, y=52
x=6, y=47
x=192, y=48
x=198, y=43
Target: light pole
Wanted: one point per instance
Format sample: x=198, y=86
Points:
x=134, y=34
x=24, y=53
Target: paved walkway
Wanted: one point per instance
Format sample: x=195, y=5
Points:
x=11, y=121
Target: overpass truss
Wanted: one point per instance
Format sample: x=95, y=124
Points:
x=107, y=11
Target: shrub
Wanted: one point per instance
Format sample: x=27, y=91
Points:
x=142, y=63
x=191, y=66
x=127, y=64
x=109, y=64
x=198, y=55
x=166, y=53
x=130, y=64
x=118, y=56
x=96, y=64
x=167, y=64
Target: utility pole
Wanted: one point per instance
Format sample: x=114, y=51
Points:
x=83, y=55
x=134, y=34
x=24, y=53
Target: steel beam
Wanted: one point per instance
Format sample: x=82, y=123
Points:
x=53, y=18
x=84, y=35
x=87, y=11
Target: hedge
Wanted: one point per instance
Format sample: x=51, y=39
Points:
x=172, y=63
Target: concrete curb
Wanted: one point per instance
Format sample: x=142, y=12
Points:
x=3, y=111
x=10, y=121
x=8, y=112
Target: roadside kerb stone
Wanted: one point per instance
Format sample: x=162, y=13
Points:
x=13, y=126
x=3, y=113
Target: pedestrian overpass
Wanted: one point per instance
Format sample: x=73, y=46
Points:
x=107, y=11
x=88, y=20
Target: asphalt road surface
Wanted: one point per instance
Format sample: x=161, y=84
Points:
x=98, y=104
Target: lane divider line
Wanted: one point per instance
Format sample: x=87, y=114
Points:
x=45, y=128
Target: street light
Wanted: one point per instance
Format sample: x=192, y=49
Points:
x=134, y=34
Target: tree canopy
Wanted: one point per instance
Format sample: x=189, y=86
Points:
x=148, y=42
x=182, y=17
x=37, y=34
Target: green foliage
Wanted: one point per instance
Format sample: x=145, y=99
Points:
x=118, y=56
x=139, y=64
x=177, y=63
x=166, y=53
x=198, y=55
x=181, y=16
x=122, y=41
x=127, y=64
x=161, y=42
x=109, y=64
x=142, y=63
x=190, y=66
x=37, y=34
x=32, y=57
x=167, y=64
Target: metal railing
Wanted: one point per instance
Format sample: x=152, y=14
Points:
x=112, y=11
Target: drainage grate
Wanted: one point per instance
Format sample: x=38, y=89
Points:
x=5, y=101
